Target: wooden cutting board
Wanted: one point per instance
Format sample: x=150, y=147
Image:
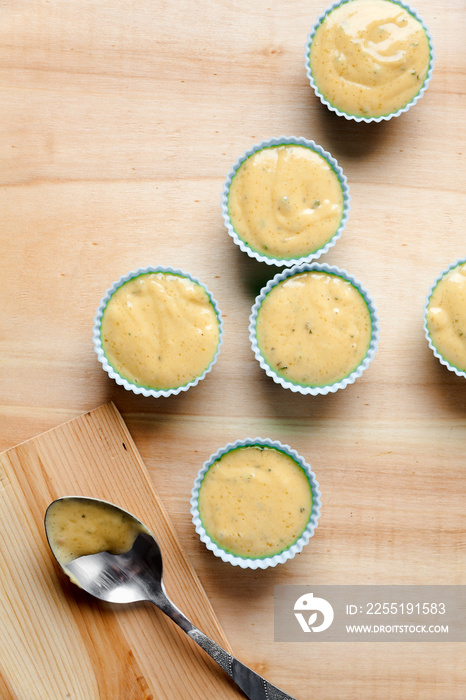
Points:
x=58, y=642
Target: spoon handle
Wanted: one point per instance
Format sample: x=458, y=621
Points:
x=254, y=686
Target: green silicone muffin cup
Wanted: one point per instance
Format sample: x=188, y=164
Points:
x=457, y=370
x=113, y=373
x=304, y=388
x=312, y=254
x=361, y=118
x=257, y=562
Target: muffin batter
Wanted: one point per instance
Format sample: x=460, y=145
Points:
x=160, y=330
x=369, y=57
x=77, y=528
x=446, y=316
x=255, y=501
x=314, y=328
x=285, y=201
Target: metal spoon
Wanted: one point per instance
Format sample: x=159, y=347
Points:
x=136, y=575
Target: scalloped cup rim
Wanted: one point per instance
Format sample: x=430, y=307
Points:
x=266, y=562
x=326, y=388
x=436, y=352
x=286, y=141
x=109, y=369
x=356, y=117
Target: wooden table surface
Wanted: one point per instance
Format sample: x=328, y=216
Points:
x=120, y=121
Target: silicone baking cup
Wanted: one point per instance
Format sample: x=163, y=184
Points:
x=361, y=118
x=327, y=388
x=438, y=355
x=112, y=373
x=257, y=562
x=312, y=255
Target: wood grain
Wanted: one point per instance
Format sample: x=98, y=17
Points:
x=119, y=124
x=56, y=641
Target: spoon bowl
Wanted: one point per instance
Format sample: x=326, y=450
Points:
x=121, y=578
x=128, y=569
x=127, y=577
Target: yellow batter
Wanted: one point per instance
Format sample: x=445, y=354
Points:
x=255, y=501
x=314, y=328
x=76, y=528
x=446, y=316
x=160, y=330
x=285, y=201
x=369, y=57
